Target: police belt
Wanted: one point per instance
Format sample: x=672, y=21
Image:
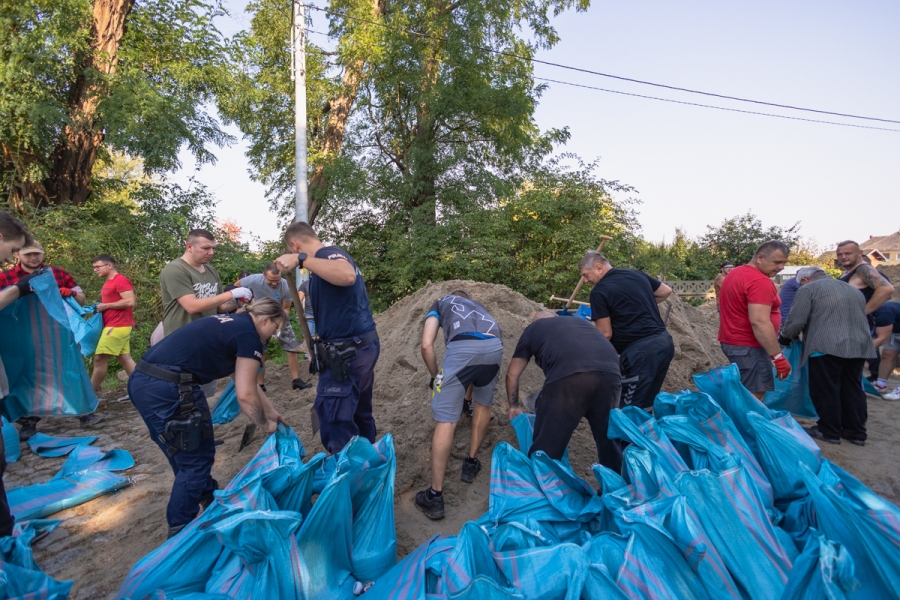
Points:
x=358, y=342
x=158, y=372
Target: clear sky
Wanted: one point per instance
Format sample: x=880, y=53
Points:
x=694, y=166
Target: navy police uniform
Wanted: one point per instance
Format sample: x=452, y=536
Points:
x=345, y=325
x=207, y=350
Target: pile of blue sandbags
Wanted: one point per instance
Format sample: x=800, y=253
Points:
x=284, y=529
x=720, y=497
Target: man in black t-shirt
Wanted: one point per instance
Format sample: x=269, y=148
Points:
x=581, y=379
x=623, y=308
x=346, y=327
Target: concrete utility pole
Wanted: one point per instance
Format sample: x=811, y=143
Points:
x=298, y=47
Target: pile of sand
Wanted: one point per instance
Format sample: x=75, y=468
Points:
x=892, y=272
x=402, y=398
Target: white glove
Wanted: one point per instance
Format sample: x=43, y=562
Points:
x=241, y=293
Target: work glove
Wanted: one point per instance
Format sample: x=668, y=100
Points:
x=431, y=384
x=242, y=293
x=66, y=292
x=24, y=283
x=784, y=342
x=782, y=366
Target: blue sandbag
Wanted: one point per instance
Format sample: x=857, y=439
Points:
x=50, y=446
x=87, y=332
x=515, y=491
x=471, y=571
x=20, y=576
x=11, y=441
x=639, y=428
x=849, y=513
x=227, y=407
x=782, y=446
x=42, y=499
x=43, y=365
x=792, y=393
x=823, y=570
x=523, y=425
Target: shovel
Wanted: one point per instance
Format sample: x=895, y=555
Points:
x=249, y=432
x=310, y=346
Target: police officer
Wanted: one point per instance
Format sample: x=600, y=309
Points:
x=472, y=360
x=165, y=389
x=347, y=343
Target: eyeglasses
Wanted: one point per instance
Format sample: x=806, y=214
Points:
x=98, y=267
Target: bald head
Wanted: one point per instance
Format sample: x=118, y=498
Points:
x=542, y=314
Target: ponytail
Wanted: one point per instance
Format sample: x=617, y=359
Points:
x=268, y=308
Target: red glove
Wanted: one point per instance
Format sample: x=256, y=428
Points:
x=782, y=366
x=66, y=292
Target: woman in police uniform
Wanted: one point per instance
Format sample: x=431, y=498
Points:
x=165, y=389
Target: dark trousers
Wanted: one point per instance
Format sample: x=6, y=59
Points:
x=562, y=404
x=6, y=519
x=645, y=364
x=157, y=401
x=835, y=386
x=344, y=408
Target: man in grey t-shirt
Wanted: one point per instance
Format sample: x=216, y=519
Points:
x=306, y=299
x=270, y=284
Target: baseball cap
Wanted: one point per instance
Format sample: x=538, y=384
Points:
x=33, y=247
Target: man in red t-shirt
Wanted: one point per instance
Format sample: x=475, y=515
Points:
x=117, y=307
x=749, y=319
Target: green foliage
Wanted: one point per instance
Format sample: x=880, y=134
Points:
x=738, y=237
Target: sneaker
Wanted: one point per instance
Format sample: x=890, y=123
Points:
x=468, y=407
x=173, y=531
x=470, y=470
x=433, y=508
x=856, y=442
x=91, y=419
x=895, y=395
x=299, y=384
x=815, y=434
x=28, y=429
x=263, y=388
x=880, y=388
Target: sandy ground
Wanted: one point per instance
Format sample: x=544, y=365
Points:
x=98, y=542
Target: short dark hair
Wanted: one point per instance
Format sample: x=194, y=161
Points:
x=12, y=228
x=194, y=234
x=300, y=230
x=772, y=246
x=104, y=258
x=272, y=268
x=244, y=274
x=847, y=243
x=461, y=294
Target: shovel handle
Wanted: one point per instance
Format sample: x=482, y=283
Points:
x=603, y=240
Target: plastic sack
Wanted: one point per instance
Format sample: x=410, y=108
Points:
x=849, y=513
x=10, y=441
x=43, y=365
x=792, y=393
x=823, y=570
x=782, y=446
x=582, y=311
x=640, y=428
x=20, y=576
x=87, y=332
x=227, y=407
x=50, y=446
x=523, y=425
x=85, y=475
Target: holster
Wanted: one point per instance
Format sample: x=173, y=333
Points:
x=337, y=355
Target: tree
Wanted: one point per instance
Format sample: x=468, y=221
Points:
x=736, y=238
x=82, y=77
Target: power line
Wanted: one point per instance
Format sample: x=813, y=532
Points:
x=618, y=77
x=737, y=110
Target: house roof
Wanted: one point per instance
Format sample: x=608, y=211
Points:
x=883, y=243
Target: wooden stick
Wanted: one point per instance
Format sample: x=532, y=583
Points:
x=552, y=298
x=604, y=239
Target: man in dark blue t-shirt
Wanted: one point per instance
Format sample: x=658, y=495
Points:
x=887, y=338
x=623, y=308
x=347, y=331
x=581, y=379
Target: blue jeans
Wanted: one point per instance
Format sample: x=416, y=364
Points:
x=157, y=401
x=345, y=407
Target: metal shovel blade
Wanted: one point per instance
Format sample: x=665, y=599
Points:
x=314, y=420
x=249, y=432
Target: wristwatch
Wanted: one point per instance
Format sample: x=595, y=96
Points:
x=300, y=258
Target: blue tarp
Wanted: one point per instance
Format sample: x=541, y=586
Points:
x=87, y=332
x=792, y=394
x=11, y=441
x=44, y=368
x=20, y=577
x=227, y=407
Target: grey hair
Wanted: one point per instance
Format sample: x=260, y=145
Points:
x=267, y=308
x=767, y=249
x=812, y=273
x=591, y=258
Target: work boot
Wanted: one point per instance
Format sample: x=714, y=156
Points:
x=173, y=531
x=28, y=429
x=470, y=469
x=299, y=384
x=91, y=419
x=817, y=435
x=468, y=408
x=433, y=507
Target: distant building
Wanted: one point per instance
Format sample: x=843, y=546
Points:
x=881, y=249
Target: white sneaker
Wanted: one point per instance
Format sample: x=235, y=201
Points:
x=895, y=395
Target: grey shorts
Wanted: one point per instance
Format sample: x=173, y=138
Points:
x=466, y=362
x=755, y=367
x=288, y=340
x=893, y=343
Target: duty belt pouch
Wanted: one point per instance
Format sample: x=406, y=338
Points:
x=187, y=429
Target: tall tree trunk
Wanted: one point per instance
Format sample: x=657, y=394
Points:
x=76, y=151
x=333, y=136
